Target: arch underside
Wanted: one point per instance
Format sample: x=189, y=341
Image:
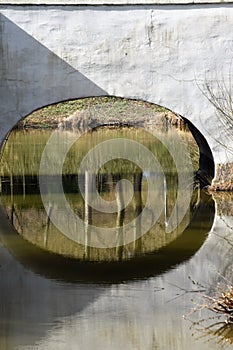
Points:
x=206, y=170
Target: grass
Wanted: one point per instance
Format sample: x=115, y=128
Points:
x=109, y=107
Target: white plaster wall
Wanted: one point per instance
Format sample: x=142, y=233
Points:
x=155, y=53
x=110, y=2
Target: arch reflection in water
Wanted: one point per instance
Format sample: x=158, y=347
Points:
x=29, y=218
x=145, y=256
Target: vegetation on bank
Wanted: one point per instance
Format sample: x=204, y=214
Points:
x=217, y=89
x=222, y=303
x=108, y=108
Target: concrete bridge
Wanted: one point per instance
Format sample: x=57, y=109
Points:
x=161, y=51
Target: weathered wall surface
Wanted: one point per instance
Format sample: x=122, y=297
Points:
x=162, y=54
x=111, y=2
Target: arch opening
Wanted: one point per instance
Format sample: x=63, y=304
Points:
x=46, y=117
x=67, y=114
x=39, y=119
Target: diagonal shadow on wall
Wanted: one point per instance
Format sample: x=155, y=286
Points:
x=32, y=76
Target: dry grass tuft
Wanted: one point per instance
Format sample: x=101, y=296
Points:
x=222, y=303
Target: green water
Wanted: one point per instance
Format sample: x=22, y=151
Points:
x=57, y=293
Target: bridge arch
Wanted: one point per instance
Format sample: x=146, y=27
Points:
x=146, y=51
x=205, y=173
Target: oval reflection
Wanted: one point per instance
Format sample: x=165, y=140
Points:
x=41, y=246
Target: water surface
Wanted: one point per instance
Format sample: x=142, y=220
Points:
x=58, y=294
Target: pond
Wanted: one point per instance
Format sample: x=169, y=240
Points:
x=89, y=261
